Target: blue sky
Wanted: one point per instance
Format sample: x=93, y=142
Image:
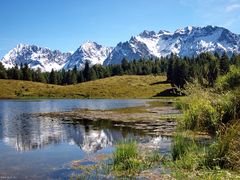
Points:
x=65, y=24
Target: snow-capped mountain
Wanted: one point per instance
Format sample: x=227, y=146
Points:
x=89, y=51
x=188, y=41
x=35, y=57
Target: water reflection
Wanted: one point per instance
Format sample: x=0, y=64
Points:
x=22, y=131
x=34, y=147
x=29, y=133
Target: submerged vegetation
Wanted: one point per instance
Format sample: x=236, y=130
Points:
x=130, y=160
x=126, y=158
x=127, y=162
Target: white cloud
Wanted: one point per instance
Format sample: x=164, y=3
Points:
x=224, y=13
x=232, y=7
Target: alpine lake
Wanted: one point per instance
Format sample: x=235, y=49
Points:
x=35, y=144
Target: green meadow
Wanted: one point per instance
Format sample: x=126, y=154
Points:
x=128, y=86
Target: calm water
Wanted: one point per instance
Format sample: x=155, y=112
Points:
x=37, y=148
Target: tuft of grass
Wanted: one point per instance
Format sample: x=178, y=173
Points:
x=180, y=146
x=129, y=161
x=125, y=158
x=126, y=162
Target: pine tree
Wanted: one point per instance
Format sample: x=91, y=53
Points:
x=216, y=55
x=117, y=70
x=86, y=71
x=156, y=68
x=64, y=77
x=146, y=70
x=176, y=73
x=73, y=77
x=170, y=69
x=163, y=66
x=139, y=69
x=26, y=73
x=93, y=75
x=235, y=60
x=80, y=77
x=21, y=71
x=53, y=77
x=212, y=72
x=183, y=74
x=3, y=74
x=106, y=72
x=125, y=65
x=16, y=73
x=224, y=64
x=9, y=73
x=40, y=76
x=69, y=77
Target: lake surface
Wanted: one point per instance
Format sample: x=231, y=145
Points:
x=43, y=148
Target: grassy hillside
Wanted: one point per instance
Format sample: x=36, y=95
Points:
x=113, y=87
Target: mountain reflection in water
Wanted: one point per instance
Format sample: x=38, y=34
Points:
x=33, y=147
x=29, y=133
x=32, y=133
x=23, y=132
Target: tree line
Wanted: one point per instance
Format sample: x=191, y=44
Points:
x=88, y=73
x=205, y=67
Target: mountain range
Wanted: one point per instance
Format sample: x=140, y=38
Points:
x=188, y=41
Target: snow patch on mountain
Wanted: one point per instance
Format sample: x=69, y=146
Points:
x=35, y=57
x=188, y=41
x=89, y=51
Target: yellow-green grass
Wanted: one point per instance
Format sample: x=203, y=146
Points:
x=129, y=110
x=128, y=86
x=147, y=107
